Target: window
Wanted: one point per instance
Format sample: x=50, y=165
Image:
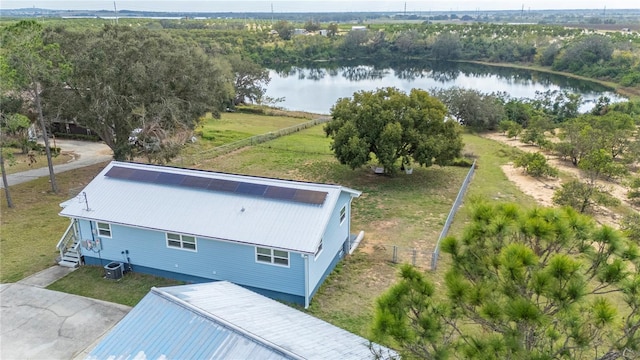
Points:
x=272, y=256
x=343, y=214
x=104, y=229
x=181, y=241
x=319, y=250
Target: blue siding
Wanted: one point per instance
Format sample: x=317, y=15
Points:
x=336, y=260
x=296, y=299
x=214, y=260
x=333, y=242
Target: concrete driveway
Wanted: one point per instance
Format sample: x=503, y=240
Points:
x=36, y=323
x=84, y=153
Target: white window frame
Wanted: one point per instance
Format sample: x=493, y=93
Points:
x=343, y=214
x=319, y=250
x=107, y=232
x=271, y=256
x=179, y=239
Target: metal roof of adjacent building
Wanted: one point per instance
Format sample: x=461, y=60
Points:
x=256, y=220
x=221, y=320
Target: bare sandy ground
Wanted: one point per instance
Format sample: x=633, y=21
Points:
x=542, y=189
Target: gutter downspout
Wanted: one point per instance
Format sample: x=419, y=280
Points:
x=306, y=281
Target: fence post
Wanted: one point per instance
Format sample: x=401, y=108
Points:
x=414, y=257
x=434, y=260
x=394, y=257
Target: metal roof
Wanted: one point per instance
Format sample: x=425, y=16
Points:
x=256, y=220
x=221, y=320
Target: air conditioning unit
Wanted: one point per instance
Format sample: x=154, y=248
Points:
x=113, y=270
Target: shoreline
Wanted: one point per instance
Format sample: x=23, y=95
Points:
x=627, y=92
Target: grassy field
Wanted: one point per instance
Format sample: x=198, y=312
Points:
x=407, y=211
x=237, y=126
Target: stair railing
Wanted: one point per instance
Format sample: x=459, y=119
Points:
x=67, y=239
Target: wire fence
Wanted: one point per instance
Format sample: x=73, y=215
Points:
x=425, y=259
x=452, y=213
x=254, y=140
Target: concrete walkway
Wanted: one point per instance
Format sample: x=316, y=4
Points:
x=36, y=323
x=84, y=153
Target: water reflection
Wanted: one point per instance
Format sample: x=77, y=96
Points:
x=316, y=89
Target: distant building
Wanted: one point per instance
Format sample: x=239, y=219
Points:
x=359, y=28
x=299, y=32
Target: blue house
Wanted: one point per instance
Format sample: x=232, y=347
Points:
x=279, y=238
x=221, y=320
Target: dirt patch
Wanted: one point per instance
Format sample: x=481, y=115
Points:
x=377, y=236
x=542, y=190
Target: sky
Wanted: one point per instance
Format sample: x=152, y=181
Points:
x=318, y=6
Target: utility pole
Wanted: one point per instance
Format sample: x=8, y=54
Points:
x=115, y=11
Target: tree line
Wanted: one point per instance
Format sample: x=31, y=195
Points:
x=612, y=56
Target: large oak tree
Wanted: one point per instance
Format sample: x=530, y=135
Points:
x=393, y=126
x=125, y=79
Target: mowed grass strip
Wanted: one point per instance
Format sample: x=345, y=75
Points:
x=238, y=126
x=89, y=281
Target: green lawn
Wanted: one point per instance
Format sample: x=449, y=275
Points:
x=89, y=281
x=237, y=126
x=231, y=128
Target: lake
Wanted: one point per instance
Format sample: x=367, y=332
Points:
x=317, y=89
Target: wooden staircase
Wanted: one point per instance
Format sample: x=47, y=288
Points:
x=71, y=257
x=69, y=247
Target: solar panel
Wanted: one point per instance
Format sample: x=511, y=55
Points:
x=281, y=193
x=223, y=185
x=169, y=179
x=310, y=197
x=237, y=187
x=251, y=189
x=119, y=172
x=144, y=175
x=196, y=182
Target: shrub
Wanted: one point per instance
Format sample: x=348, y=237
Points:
x=462, y=162
x=536, y=165
x=84, y=137
x=634, y=190
x=582, y=197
